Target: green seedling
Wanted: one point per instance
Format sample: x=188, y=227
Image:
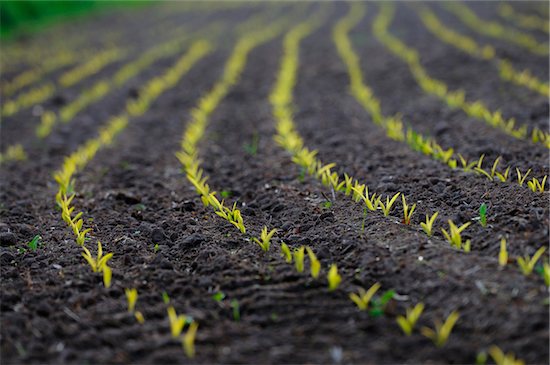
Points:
x=441, y=333
x=285, y=252
x=177, y=322
x=225, y=194
x=315, y=265
x=408, y=321
x=33, y=244
x=454, y=235
x=333, y=277
x=427, y=226
x=527, y=264
x=299, y=259
x=546, y=273
x=379, y=304
x=188, y=341
x=265, y=239
x=504, y=359
x=236, y=310
x=327, y=204
x=218, y=296
x=536, y=185
x=363, y=297
x=503, y=253
x=165, y=298
x=483, y=215
x=407, y=211
x=481, y=358
x=156, y=248
x=302, y=175
x=389, y=203
x=521, y=178
x=131, y=298
x=252, y=147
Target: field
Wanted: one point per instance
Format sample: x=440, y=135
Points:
x=278, y=182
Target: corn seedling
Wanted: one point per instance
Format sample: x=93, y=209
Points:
x=177, y=322
x=363, y=297
x=265, y=239
x=441, y=333
x=454, y=235
x=504, y=359
x=503, y=253
x=546, y=273
x=165, y=298
x=188, y=340
x=389, y=203
x=99, y=263
x=536, y=185
x=131, y=298
x=407, y=211
x=236, y=310
x=408, y=321
x=483, y=215
x=33, y=244
x=299, y=258
x=427, y=226
x=315, y=265
x=333, y=277
x=527, y=264
x=521, y=178
x=285, y=252
x=378, y=304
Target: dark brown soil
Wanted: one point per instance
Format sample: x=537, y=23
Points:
x=55, y=310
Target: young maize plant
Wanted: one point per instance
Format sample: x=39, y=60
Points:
x=454, y=99
x=527, y=21
x=334, y=279
x=527, y=264
x=503, y=253
x=483, y=215
x=427, y=226
x=14, y=152
x=177, y=322
x=285, y=252
x=546, y=273
x=194, y=132
x=188, y=340
x=408, y=321
x=407, y=211
x=99, y=263
x=454, y=236
x=504, y=359
x=265, y=238
x=315, y=265
x=496, y=30
x=469, y=46
x=389, y=203
x=441, y=333
x=27, y=99
x=536, y=185
x=521, y=178
x=363, y=297
x=299, y=258
x=131, y=298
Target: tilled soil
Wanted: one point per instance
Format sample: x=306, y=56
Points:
x=135, y=196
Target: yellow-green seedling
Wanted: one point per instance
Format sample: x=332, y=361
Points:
x=527, y=264
x=361, y=192
x=165, y=298
x=389, y=203
x=498, y=175
x=334, y=279
x=33, y=244
x=503, y=253
x=188, y=341
x=299, y=258
x=441, y=333
x=265, y=238
x=131, y=297
x=546, y=273
x=177, y=322
x=407, y=211
x=99, y=264
x=218, y=296
x=139, y=317
x=236, y=308
x=427, y=226
x=314, y=264
x=454, y=235
x=536, y=185
x=504, y=359
x=408, y=321
x=521, y=178
x=285, y=252
x=363, y=297
x=483, y=215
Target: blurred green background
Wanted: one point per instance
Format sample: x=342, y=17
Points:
x=25, y=16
